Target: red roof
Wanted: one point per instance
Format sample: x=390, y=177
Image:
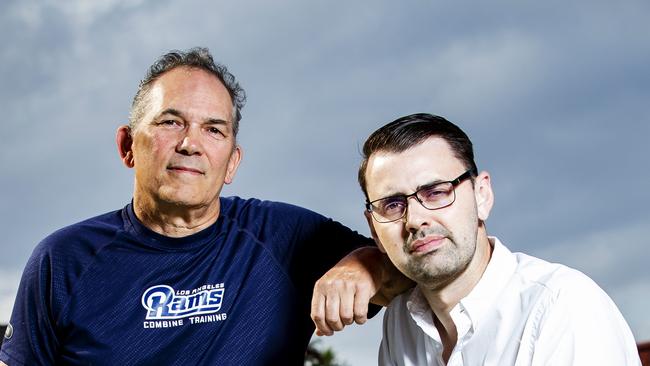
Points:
x=644, y=352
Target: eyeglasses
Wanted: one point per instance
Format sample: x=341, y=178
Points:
x=432, y=197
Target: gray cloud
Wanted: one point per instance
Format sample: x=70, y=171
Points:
x=553, y=94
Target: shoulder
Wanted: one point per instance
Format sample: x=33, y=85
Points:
x=576, y=319
x=303, y=242
x=274, y=221
x=570, y=300
x=281, y=223
x=557, y=280
x=85, y=236
x=397, y=314
x=59, y=260
x=64, y=255
x=240, y=208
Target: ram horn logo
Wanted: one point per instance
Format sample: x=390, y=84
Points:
x=161, y=302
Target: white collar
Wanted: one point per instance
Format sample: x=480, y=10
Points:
x=472, y=307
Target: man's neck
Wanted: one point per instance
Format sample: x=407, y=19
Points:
x=443, y=300
x=174, y=220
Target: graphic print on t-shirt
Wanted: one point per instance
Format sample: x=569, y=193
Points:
x=166, y=307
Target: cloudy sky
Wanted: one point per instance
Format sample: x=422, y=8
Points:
x=554, y=94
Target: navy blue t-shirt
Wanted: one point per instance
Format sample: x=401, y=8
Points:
x=110, y=291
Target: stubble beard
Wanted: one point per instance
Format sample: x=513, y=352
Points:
x=438, y=268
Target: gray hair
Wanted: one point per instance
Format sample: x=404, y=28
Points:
x=199, y=58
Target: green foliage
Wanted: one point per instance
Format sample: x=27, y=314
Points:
x=315, y=356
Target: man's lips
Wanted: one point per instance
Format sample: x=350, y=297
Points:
x=426, y=244
x=184, y=169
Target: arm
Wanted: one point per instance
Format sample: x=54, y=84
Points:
x=342, y=295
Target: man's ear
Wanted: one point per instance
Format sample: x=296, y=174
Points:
x=233, y=164
x=484, y=195
x=124, y=142
x=371, y=225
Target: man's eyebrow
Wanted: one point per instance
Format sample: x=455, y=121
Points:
x=172, y=111
x=216, y=121
x=432, y=183
x=425, y=185
x=177, y=113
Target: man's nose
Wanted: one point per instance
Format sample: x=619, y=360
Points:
x=190, y=143
x=416, y=215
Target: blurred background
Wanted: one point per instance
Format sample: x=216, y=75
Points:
x=554, y=95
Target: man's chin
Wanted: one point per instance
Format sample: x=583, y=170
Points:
x=183, y=202
x=431, y=271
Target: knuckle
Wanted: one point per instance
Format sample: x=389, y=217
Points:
x=360, y=319
x=361, y=313
x=335, y=324
x=320, y=284
x=323, y=284
x=331, y=319
x=347, y=313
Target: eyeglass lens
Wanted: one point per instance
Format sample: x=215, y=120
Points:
x=431, y=197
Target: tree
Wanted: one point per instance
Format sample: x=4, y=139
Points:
x=320, y=357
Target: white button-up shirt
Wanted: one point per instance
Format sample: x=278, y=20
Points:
x=523, y=311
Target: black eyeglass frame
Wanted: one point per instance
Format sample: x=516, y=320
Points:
x=454, y=183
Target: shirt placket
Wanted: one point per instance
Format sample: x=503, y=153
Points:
x=464, y=329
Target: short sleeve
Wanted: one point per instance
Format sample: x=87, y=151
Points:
x=33, y=337
x=319, y=243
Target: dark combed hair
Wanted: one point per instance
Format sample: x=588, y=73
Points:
x=199, y=58
x=406, y=132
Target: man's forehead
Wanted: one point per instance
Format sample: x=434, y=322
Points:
x=190, y=88
x=434, y=151
x=398, y=172
x=185, y=78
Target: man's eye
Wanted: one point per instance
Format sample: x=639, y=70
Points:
x=216, y=131
x=168, y=122
x=392, y=204
x=433, y=193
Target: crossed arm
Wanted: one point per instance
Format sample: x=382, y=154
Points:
x=342, y=295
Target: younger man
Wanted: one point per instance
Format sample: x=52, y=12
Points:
x=475, y=302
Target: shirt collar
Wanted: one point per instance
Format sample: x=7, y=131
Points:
x=421, y=313
x=473, y=307
x=497, y=274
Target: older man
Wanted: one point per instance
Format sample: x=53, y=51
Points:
x=181, y=275
x=475, y=302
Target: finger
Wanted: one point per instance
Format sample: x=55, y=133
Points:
x=318, y=315
x=332, y=310
x=361, y=300
x=346, y=306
